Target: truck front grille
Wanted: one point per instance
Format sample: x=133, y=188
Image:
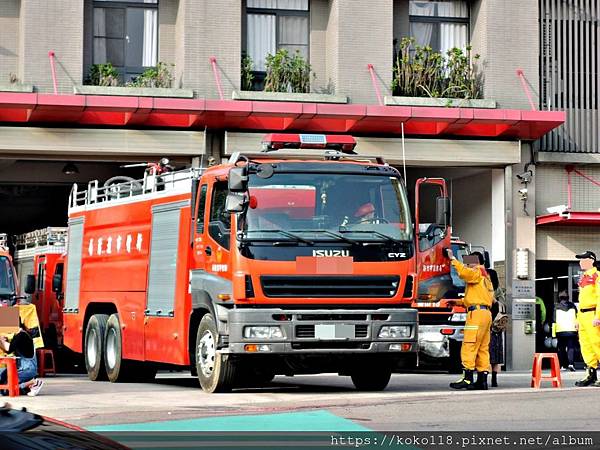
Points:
x=382, y=286
x=308, y=331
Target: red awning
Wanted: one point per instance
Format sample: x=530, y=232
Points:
x=570, y=218
x=117, y=111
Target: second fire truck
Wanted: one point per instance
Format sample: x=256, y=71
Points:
x=300, y=258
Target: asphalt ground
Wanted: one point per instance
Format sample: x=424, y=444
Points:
x=412, y=402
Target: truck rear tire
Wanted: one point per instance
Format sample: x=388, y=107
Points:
x=93, y=347
x=374, y=378
x=117, y=368
x=216, y=372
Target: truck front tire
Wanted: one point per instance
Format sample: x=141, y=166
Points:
x=374, y=377
x=94, y=347
x=216, y=372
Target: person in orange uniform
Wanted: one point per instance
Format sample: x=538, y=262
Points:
x=474, y=353
x=588, y=318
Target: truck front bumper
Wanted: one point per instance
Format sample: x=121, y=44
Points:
x=322, y=331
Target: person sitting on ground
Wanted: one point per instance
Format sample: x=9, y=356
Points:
x=21, y=346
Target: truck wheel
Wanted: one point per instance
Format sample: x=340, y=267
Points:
x=374, y=379
x=93, y=345
x=117, y=369
x=215, y=373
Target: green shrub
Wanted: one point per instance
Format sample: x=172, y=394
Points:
x=103, y=75
x=421, y=72
x=287, y=73
x=154, y=77
x=247, y=75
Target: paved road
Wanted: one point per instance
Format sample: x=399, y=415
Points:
x=419, y=401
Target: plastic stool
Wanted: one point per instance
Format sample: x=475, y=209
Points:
x=536, y=373
x=45, y=356
x=12, y=380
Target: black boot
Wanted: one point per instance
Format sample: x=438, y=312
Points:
x=494, y=379
x=465, y=381
x=589, y=379
x=481, y=383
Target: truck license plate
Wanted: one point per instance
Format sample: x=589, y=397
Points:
x=334, y=331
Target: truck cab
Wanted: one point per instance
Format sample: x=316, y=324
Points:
x=39, y=259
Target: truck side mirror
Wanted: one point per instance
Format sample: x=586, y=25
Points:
x=443, y=211
x=238, y=179
x=236, y=202
x=30, y=284
x=57, y=283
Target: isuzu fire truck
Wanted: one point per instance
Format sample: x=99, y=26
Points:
x=300, y=258
x=39, y=260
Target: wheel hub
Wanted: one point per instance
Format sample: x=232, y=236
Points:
x=207, y=353
x=91, y=349
x=111, y=349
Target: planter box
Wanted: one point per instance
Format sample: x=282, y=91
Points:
x=16, y=87
x=440, y=102
x=288, y=97
x=133, y=91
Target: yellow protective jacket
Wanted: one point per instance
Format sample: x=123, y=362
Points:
x=589, y=291
x=479, y=289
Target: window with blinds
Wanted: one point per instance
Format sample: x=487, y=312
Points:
x=569, y=72
x=272, y=25
x=441, y=25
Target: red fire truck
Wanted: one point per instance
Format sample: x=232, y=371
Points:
x=39, y=259
x=299, y=258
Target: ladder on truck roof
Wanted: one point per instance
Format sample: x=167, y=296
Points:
x=43, y=241
x=169, y=183
x=304, y=155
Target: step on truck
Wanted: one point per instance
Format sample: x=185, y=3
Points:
x=298, y=258
x=39, y=260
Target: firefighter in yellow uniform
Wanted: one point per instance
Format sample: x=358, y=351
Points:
x=475, y=353
x=588, y=317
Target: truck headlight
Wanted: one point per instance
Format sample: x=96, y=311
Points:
x=260, y=332
x=395, y=331
x=458, y=317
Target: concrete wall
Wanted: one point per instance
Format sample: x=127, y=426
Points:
x=51, y=25
x=498, y=248
x=167, y=18
x=9, y=40
x=472, y=208
x=364, y=33
x=319, y=19
x=551, y=183
x=506, y=35
x=211, y=28
x=564, y=242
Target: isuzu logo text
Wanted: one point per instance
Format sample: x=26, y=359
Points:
x=338, y=253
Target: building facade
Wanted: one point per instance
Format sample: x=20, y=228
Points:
x=50, y=115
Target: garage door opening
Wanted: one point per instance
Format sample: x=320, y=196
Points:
x=34, y=193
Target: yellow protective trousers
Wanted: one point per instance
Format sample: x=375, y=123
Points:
x=475, y=350
x=589, y=339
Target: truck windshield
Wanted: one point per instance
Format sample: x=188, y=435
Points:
x=327, y=206
x=7, y=281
